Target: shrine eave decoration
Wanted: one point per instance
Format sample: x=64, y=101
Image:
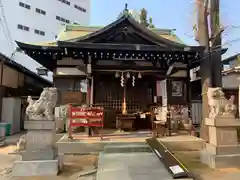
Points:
x=125, y=38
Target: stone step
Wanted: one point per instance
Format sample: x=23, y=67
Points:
x=127, y=148
x=140, y=166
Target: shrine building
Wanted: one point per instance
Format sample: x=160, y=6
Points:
x=124, y=67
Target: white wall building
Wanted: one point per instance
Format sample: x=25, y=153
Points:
x=37, y=21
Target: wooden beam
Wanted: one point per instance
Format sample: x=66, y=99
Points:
x=126, y=47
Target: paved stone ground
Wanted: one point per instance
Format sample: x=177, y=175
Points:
x=6, y=162
x=74, y=166
x=131, y=166
x=188, y=151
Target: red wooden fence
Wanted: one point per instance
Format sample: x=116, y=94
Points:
x=86, y=117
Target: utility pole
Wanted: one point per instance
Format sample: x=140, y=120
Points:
x=216, y=41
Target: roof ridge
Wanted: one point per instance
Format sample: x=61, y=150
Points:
x=98, y=26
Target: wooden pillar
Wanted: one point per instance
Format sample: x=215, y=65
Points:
x=92, y=90
x=89, y=72
x=2, y=89
x=189, y=92
x=238, y=101
x=53, y=76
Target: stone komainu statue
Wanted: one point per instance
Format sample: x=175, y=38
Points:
x=43, y=108
x=218, y=104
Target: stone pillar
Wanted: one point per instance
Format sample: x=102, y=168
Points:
x=223, y=149
x=40, y=156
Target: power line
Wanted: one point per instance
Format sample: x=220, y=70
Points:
x=6, y=30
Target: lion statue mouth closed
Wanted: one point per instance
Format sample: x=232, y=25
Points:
x=218, y=104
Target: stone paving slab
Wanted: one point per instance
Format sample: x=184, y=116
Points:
x=126, y=148
x=132, y=166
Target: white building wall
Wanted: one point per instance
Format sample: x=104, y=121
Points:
x=15, y=14
x=231, y=81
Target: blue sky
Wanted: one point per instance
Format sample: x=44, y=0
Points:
x=173, y=14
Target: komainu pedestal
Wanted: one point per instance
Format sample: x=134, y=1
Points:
x=39, y=155
x=223, y=149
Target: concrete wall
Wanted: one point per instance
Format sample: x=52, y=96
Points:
x=231, y=81
x=11, y=77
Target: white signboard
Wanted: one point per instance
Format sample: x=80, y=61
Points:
x=176, y=169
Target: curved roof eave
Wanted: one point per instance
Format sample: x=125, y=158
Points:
x=28, y=46
x=136, y=25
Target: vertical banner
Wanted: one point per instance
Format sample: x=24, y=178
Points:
x=164, y=92
x=158, y=88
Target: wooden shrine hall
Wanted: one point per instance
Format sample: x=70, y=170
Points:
x=124, y=67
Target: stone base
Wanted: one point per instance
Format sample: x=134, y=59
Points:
x=222, y=150
x=37, y=168
x=223, y=121
x=36, y=155
x=220, y=161
x=39, y=125
x=40, y=139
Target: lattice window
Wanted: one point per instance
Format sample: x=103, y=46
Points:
x=109, y=93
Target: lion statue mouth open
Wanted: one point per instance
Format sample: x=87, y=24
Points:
x=218, y=104
x=43, y=108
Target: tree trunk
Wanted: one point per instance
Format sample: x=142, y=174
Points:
x=205, y=65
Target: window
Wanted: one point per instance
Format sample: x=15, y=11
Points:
x=42, y=33
x=24, y=5
x=21, y=4
x=80, y=8
x=40, y=11
x=39, y=32
x=65, y=2
x=63, y=19
x=22, y=27
x=65, y=85
x=58, y=18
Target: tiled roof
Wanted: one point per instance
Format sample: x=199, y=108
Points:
x=23, y=69
x=75, y=31
x=235, y=69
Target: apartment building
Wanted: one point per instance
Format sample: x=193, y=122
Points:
x=37, y=21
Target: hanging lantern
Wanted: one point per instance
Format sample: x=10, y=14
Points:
x=89, y=68
x=117, y=75
x=89, y=65
x=128, y=75
x=139, y=75
x=42, y=71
